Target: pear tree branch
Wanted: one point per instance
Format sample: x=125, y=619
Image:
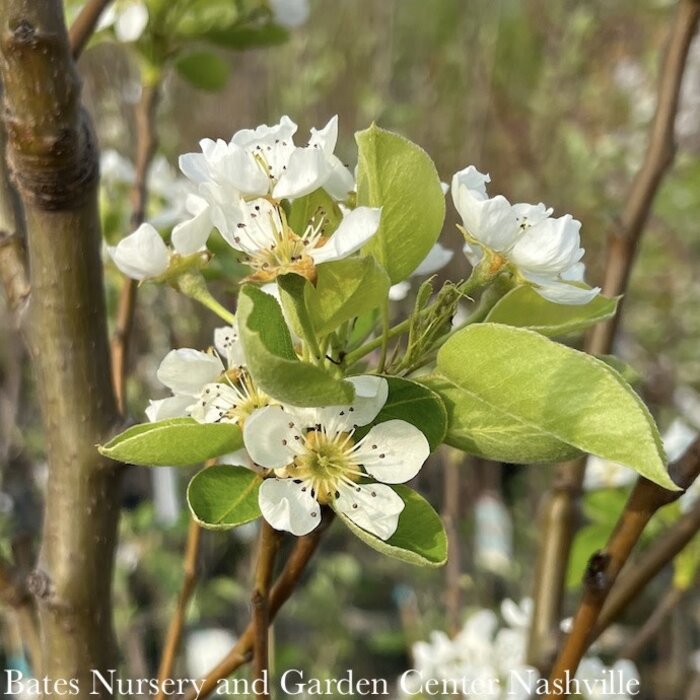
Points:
x=84, y=25
x=560, y=507
x=604, y=566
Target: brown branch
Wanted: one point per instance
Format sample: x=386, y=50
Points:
x=84, y=25
x=146, y=145
x=659, y=554
x=560, y=508
x=604, y=566
x=53, y=160
x=267, y=553
x=654, y=622
x=177, y=622
x=286, y=582
x=452, y=471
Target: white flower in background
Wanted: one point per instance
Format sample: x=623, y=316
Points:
x=115, y=169
x=317, y=460
x=493, y=535
x=538, y=248
x=128, y=18
x=290, y=13
x=604, y=474
x=435, y=260
x=492, y=653
x=272, y=248
x=205, y=386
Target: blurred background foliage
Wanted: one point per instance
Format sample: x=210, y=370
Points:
x=554, y=101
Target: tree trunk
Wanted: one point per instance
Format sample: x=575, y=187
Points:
x=53, y=160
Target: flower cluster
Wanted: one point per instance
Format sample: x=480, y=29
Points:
x=239, y=190
x=487, y=649
x=525, y=239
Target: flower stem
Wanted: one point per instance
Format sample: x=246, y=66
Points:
x=194, y=286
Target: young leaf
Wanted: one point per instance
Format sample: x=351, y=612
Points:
x=204, y=70
x=481, y=428
x=400, y=177
x=246, y=37
x=222, y=496
x=420, y=537
x=314, y=207
x=523, y=307
x=549, y=389
x=272, y=361
x=417, y=405
x=174, y=442
x=344, y=290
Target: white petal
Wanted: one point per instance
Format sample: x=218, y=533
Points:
x=172, y=407
x=327, y=137
x=576, y=273
x=269, y=436
x=284, y=131
x=531, y=214
x=551, y=246
x=307, y=169
x=107, y=18
x=228, y=343
x=237, y=167
x=186, y=371
x=562, y=292
x=190, y=236
x=131, y=22
x=288, y=505
x=142, y=254
x=490, y=221
x=354, y=231
x=213, y=403
x=435, y=260
x=373, y=507
x=340, y=182
x=115, y=168
x=194, y=166
x=393, y=451
x=399, y=291
x=517, y=615
x=472, y=179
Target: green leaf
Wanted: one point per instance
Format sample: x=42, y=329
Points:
x=523, y=307
x=204, y=70
x=420, y=537
x=400, y=177
x=417, y=405
x=242, y=38
x=202, y=16
x=629, y=373
x=272, y=361
x=535, y=385
x=292, y=288
x=222, y=496
x=345, y=290
x=317, y=206
x=173, y=442
x=480, y=428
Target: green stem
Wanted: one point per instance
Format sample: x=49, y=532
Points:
x=385, y=335
x=194, y=286
x=465, y=288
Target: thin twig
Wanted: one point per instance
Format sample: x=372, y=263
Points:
x=560, y=508
x=146, y=144
x=14, y=594
x=287, y=581
x=659, y=554
x=654, y=622
x=84, y=25
x=267, y=553
x=604, y=566
x=177, y=622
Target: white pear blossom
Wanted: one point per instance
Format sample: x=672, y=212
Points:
x=143, y=254
x=316, y=459
x=489, y=652
x=536, y=247
x=128, y=18
x=211, y=387
x=435, y=260
x=271, y=248
x=290, y=13
x=265, y=162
